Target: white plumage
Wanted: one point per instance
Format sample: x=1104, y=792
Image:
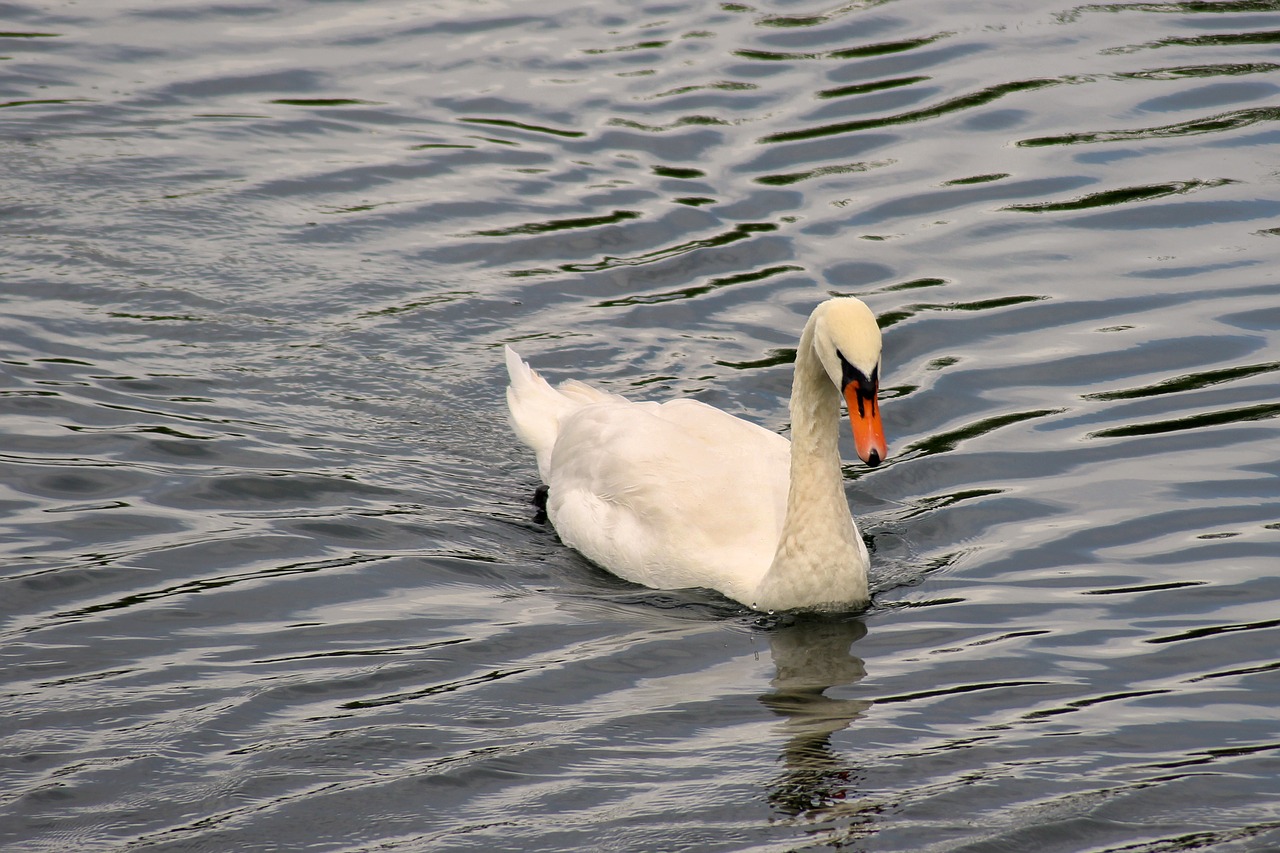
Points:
x=681, y=494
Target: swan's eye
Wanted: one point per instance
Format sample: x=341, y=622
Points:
x=865, y=387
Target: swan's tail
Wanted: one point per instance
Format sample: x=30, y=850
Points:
x=537, y=409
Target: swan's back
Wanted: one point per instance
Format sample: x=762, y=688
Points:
x=669, y=495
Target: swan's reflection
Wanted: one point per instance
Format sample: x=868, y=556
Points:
x=812, y=655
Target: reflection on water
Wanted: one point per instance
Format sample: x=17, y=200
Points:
x=268, y=574
x=812, y=656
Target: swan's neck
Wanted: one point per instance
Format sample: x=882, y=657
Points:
x=821, y=561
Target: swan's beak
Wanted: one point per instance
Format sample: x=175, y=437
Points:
x=864, y=415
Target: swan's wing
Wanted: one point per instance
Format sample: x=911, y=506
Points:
x=670, y=496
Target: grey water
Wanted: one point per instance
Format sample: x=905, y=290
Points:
x=271, y=579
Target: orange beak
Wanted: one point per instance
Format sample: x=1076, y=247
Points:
x=864, y=416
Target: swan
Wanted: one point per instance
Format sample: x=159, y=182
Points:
x=681, y=494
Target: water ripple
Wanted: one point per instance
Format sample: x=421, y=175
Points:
x=1220, y=123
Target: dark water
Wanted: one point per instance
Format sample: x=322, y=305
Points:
x=271, y=580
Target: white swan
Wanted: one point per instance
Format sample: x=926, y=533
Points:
x=681, y=494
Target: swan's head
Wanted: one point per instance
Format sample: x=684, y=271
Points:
x=847, y=340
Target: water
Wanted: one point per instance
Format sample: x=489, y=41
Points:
x=271, y=579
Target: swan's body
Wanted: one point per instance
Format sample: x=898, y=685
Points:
x=681, y=494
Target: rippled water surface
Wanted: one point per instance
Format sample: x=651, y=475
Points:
x=271, y=578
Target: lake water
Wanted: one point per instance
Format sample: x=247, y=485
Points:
x=271, y=576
